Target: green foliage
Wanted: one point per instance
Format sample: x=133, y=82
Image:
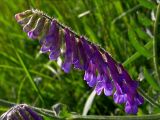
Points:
x=123, y=28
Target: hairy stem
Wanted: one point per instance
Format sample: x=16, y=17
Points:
x=64, y=26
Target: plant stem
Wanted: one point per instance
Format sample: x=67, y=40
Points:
x=125, y=13
x=130, y=117
x=155, y=44
x=50, y=113
x=149, y=99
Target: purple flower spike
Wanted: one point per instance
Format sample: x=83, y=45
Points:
x=69, y=53
x=101, y=71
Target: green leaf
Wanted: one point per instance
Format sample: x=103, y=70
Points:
x=150, y=79
x=144, y=20
x=142, y=34
x=133, y=39
x=90, y=33
x=137, y=54
x=147, y=4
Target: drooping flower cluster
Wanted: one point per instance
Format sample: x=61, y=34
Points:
x=20, y=112
x=101, y=71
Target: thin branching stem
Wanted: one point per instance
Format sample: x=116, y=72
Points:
x=149, y=99
x=155, y=44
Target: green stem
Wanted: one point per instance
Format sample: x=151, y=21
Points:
x=96, y=117
x=50, y=113
x=149, y=99
x=155, y=44
x=125, y=13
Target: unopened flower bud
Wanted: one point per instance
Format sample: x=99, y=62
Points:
x=24, y=21
x=28, y=27
x=34, y=33
x=23, y=14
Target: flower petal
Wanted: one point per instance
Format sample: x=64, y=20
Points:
x=131, y=108
x=69, y=53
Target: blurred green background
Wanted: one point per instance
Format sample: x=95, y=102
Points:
x=123, y=27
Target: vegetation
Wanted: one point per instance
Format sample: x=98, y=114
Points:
x=128, y=30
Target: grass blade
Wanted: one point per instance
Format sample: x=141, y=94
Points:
x=29, y=76
x=137, y=45
x=137, y=54
x=150, y=80
x=88, y=103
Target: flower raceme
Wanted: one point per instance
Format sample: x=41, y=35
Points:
x=101, y=71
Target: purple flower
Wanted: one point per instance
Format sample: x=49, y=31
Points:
x=103, y=83
x=119, y=97
x=80, y=57
x=90, y=74
x=126, y=88
x=88, y=51
x=84, y=54
x=131, y=108
x=69, y=52
x=103, y=79
x=75, y=57
x=33, y=114
x=52, y=42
